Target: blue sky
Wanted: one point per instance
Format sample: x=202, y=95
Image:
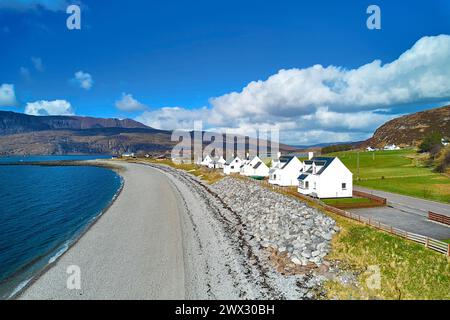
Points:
x=168, y=63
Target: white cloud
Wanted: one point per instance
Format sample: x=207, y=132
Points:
x=83, y=79
x=362, y=120
x=319, y=104
x=37, y=63
x=173, y=118
x=128, y=104
x=51, y=5
x=419, y=75
x=7, y=95
x=49, y=108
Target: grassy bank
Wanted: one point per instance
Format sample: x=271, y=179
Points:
x=408, y=270
x=346, y=201
x=400, y=171
x=208, y=175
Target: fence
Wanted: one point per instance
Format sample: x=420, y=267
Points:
x=370, y=196
x=439, y=218
x=428, y=242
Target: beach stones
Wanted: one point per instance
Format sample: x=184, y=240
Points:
x=278, y=221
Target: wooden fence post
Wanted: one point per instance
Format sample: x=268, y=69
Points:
x=427, y=242
x=448, y=250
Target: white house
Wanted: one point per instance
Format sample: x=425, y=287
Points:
x=220, y=162
x=285, y=171
x=370, y=149
x=207, y=161
x=324, y=177
x=247, y=164
x=254, y=168
x=217, y=163
x=391, y=147
x=128, y=155
x=445, y=141
x=233, y=165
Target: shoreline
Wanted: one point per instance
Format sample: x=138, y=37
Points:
x=55, y=255
x=46, y=288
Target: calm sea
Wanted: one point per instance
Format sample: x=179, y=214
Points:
x=43, y=210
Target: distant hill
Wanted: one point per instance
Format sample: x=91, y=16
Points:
x=326, y=144
x=22, y=134
x=11, y=123
x=411, y=129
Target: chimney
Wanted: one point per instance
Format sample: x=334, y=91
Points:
x=248, y=155
x=310, y=155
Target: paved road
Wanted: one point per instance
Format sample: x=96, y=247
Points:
x=409, y=204
x=410, y=222
x=407, y=213
x=134, y=251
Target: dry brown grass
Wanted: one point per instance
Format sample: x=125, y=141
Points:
x=207, y=175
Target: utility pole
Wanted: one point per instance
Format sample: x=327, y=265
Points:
x=357, y=165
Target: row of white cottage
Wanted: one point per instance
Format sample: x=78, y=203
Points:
x=321, y=177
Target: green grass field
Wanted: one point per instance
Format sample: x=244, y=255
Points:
x=398, y=171
x=408, y=270
x=344, y=201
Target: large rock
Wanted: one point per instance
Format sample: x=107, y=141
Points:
x=278, y=221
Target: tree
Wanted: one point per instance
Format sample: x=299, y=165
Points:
x=431, y=143
x=336, y=148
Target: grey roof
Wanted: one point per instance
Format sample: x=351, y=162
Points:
x=286, y=158
x=303, y=176
x=324, y=162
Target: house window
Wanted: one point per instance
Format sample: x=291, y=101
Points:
x=344, y=186
x=307, y=185
x=232, y=167
x=274, y=177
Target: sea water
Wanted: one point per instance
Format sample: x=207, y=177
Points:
x=43, y=210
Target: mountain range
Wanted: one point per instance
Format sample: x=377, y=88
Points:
x=22, y=134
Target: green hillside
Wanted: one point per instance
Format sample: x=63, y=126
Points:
x=400, y=171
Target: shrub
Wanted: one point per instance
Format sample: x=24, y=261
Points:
x=431, y=143
x=337, y=148
x=443, y=162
